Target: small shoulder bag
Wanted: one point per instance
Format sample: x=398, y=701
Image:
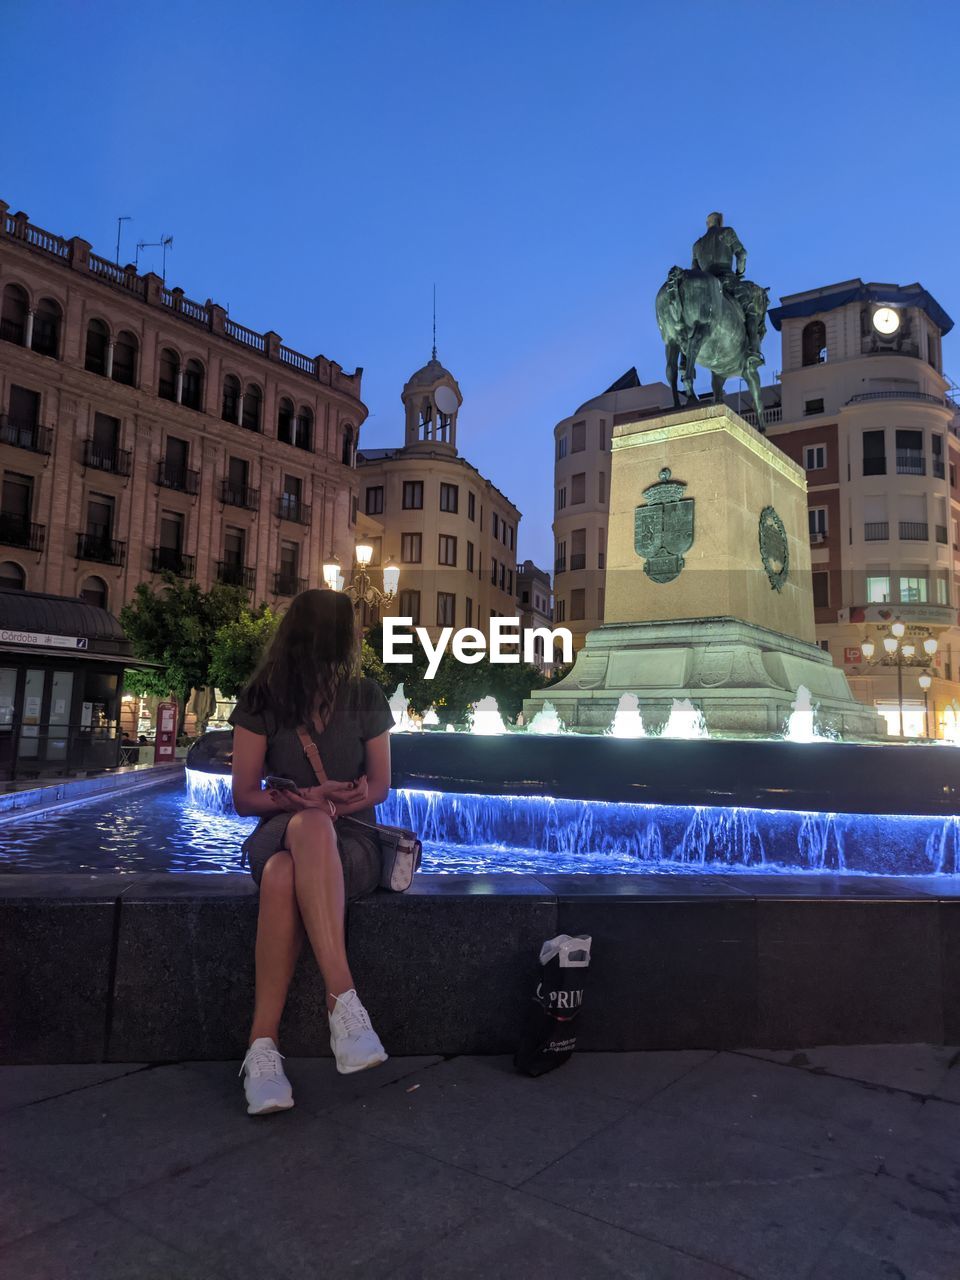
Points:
x=400, y=849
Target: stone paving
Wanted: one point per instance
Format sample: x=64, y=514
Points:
x=831, y=1164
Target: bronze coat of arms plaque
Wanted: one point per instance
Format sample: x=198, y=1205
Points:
x=663, y=529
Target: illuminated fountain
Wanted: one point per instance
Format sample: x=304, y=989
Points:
x=546, y=721
x=403, y=722
x=485, y=718
x=627, y=720
x=801, y=723
x=430, y=718
x=685, y=721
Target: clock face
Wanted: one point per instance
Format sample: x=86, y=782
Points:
x=886, y=320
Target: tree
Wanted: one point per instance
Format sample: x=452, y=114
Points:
x=238, y=647
x=174, y=626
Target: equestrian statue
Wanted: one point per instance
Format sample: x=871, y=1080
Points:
x=712, y=315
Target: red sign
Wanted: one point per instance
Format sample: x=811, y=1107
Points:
x=165, y=745
x=852, y=655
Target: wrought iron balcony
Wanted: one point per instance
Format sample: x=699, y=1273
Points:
x=578, y=560
x=94, y=546
x=559, y=566
x=911, y=462
x=236, y=575
x=876, y=531
x=288, y=584
x=291, y=508
x=25, y=435
x=239, y=495
x=18, y=531
x=100, y=457
x=171, y=476
x=170, y=560
x=914, y=531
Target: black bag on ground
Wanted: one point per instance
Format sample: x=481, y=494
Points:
x=549, y=1036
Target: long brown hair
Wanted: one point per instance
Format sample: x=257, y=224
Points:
x=316, y=649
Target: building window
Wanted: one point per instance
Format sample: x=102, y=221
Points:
x=285, y=421
x=878, y=588
x=374, y=500
x=230, y=403
x=578, y=437
x=446, y=609
x=910, y=459
x=601, y=602
x=817, y=522
x=449, y=497
x=469, y=557
x=354, y=507
x=874, y=453
x=811, y=407
x=192, y=391
x=821, y=590
x=814, y=343
x=562, y=497
x=252, y=407
x=578, y=488
x=943, y=589
x=561, y=447
x=602, y=487
x=94, y=591
x=471, y=506
x=468, y=612
x=561, y=610
x=815, y=457
x=410, y=606
x=95, y=354
x=560, y=557
x=46, y=328
x=13, y=317
x=346, y=447
x=496, y=526
x=169, y=375
x=578, y=550
x=913, y=589
x=447, y=553
x=303, y=428
x=412, y=495
x=12, y=577
x=602, y=435
x=411, y=545
x=511, y=537
x=126, y=350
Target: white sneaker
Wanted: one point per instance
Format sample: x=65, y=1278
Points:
x=353, y=1040
x=265, y=1083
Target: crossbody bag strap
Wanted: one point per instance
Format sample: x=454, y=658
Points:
x=312, y=752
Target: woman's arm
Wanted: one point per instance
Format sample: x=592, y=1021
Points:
x=249, y=798
x=374, y=786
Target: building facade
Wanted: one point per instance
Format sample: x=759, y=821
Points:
x=451, y=531
x=142, y=432
x=534, y=596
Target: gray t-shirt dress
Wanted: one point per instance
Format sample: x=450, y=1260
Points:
x=361, y=712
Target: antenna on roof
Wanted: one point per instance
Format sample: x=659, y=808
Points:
x=126, y=217
x=434, y=356
x=164, y=243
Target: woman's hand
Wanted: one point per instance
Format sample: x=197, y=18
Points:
x=296, y=801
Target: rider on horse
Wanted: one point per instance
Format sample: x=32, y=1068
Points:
x=716, y=252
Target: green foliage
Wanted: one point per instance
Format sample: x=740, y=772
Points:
x=238, y=646
x=372, y=667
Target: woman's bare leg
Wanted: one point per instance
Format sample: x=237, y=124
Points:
x=318, y=883
x=279, y=939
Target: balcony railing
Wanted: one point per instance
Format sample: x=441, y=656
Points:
x=183, y=479
x=288, y=584
x=865, y=396
x=170, y=560
x=236, y=575
x=23, y=435
x=18, y=531
x=770, y=416
x=939, y=470
x=239, y=495
x=911, y=462
x=291, y=508
x=99, y=457
x=914, y=531
x=578, y=560
x=876, y=531
x=94, y=546
x=559, y=566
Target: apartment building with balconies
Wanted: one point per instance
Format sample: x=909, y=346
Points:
x=144, y=433
x=450, y=530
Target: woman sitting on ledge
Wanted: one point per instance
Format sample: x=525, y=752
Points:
x=306, y=867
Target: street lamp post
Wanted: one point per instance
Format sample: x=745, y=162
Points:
x=895, y=646
x=361, y=588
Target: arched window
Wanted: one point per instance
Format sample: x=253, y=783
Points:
x=346, y=452
x=230, y=409
x=125, y=352
x=192, y=395
x=169, y=373
x=12, y=577
x=285, y=421
x=98, y=338
x=303, y=438
x=13, y=316
x=94, y=591
x=46, y=328
x=814, y=342
x=252, y=406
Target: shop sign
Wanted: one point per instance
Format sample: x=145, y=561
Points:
x=39, y=638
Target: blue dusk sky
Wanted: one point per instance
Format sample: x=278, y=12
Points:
x=321, y=165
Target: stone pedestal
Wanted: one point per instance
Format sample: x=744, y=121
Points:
x=708, y=586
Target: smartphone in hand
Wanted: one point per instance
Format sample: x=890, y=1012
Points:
x=281, y=784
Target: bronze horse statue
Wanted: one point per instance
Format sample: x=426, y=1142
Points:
x=701, y=323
